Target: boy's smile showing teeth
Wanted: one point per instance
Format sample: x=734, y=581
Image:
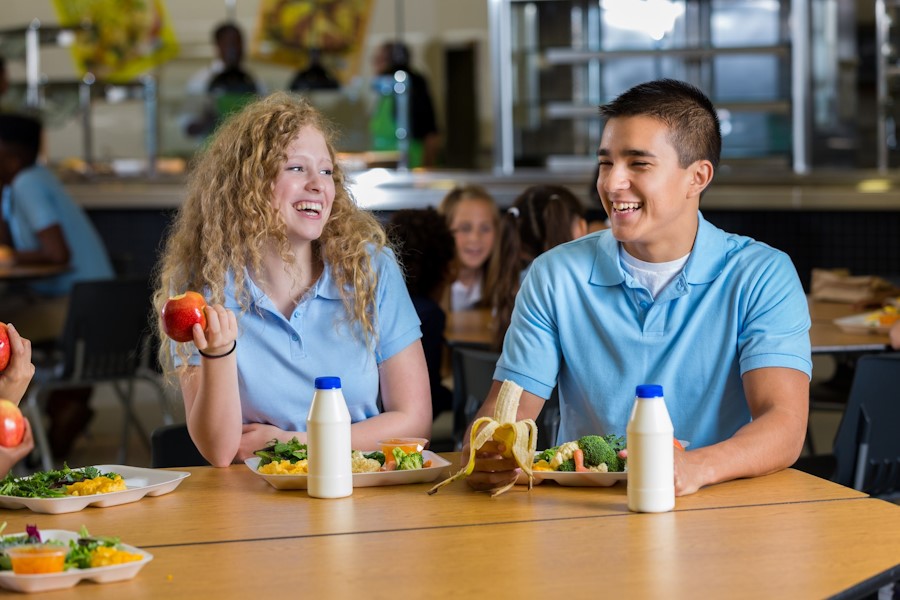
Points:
x=620, y=207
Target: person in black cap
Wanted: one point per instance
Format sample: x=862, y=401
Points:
x=229, y=87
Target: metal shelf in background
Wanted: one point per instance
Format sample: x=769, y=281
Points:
x=25, y=43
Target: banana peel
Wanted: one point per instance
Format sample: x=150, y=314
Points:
x=519, y=438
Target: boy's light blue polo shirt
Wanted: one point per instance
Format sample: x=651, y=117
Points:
x=278, y=359
x=37, y=200
x=738, y=305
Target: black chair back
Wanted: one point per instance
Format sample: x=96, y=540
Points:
x=867, y=444
x=106, y=326
x=172, y=446
x=473, y=375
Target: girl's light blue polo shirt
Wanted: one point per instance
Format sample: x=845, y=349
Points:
x=581, y=320
x=278, y=359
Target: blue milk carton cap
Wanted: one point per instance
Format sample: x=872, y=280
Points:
x=649, y=390
x=328, y=383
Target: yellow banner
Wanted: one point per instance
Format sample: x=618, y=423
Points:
x=121, y=39
x=288, y=29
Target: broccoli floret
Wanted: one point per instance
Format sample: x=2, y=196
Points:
x=411, y=461
x=597, y=450
x=546, y=455
x=568, y=466
x=377, y=455
x=407, y=462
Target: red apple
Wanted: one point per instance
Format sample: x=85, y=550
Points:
x=12, y=424
x=180, y=313
x=4, y=347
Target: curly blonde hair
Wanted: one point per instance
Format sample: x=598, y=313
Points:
x=227, y=221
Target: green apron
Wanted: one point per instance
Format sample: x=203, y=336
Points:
x=383, y=129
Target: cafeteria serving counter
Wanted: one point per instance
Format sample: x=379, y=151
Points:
x=828, y=220
x=386, y=189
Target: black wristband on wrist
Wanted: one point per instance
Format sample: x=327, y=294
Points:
x=205, y=355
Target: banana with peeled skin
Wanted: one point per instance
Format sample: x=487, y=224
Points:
x=519, y=437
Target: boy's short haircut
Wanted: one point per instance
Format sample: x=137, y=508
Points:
x=689, y=114
x=22, y=135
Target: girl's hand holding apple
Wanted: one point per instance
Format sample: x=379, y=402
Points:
x=219, y=339
x=187, y=318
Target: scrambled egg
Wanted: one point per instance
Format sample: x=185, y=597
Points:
x=97, y=485
x=105, y=556
x=285, y=467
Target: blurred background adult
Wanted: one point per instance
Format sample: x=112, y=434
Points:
x=424, y=139
x=314, y=77
x=44, y=226
x=542, y=217
x=473, y=217
x=223, y=87
x=425, y=249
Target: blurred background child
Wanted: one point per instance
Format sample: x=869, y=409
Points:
x=472, y=216
x=541, y=218
x=425, y=249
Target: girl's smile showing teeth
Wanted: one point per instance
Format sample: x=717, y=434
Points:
x=311, y=208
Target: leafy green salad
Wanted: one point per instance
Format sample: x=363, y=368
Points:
x=80, y=552
x=48, y=484
x=293, y=451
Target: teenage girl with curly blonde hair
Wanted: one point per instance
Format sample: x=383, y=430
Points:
x=293, y=270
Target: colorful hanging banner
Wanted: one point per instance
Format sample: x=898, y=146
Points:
x=118, y=40
x=287, y=30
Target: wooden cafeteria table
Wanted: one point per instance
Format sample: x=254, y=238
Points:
x=226, y=533
x=469, y=327
x=474, y=327
x=826, y=337
x=22, y=272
